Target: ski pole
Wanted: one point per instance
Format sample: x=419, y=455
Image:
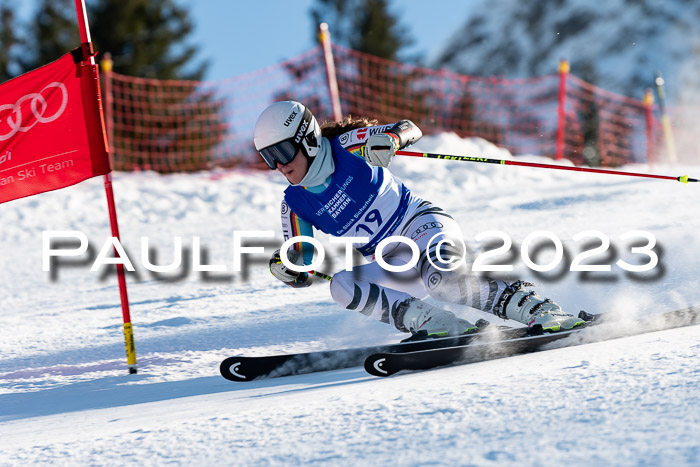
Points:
x=682, y=179
x=321, y=275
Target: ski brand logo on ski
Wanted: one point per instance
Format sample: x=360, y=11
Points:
x=378, y=364
x=234, y=370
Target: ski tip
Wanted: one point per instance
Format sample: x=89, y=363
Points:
x=375, y=365
x=230, y=369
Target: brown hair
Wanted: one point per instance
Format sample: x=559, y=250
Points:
x=330, y=129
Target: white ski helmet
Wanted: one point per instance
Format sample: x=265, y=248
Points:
x=282, y=129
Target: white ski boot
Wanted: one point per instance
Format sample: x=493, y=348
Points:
x=419, y=317
x=532, y=310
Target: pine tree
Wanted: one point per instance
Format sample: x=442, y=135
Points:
x=368, y=26
x=53, y=32
x=146, y=38
x=363, y=25
x=9, y=40
x=149, y=39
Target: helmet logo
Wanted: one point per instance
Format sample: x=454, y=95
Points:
x=301, y=131
x=290, y=119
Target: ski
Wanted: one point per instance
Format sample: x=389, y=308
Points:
x=489, y=347
x=241, y=368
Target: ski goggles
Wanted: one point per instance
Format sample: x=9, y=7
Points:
x=285, y=151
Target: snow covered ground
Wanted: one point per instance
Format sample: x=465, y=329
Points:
x=66, y=398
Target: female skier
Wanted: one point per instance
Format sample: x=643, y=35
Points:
x=340, y=184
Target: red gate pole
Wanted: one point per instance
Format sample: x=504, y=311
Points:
x=325, y=37
x=563, y=74
x=88, y=55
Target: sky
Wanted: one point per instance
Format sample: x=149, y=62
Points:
x=238, y=37
x=243, y=36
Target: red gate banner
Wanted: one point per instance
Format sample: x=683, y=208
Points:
x=50, y=129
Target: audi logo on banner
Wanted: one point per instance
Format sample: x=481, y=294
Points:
x=19, y=114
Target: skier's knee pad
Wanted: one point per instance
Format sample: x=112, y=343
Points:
x=446, y=255
x=442, y=269
x=442, y=285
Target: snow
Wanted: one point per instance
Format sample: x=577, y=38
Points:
x=66, y=397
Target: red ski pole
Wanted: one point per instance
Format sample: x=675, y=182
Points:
x=484, y=160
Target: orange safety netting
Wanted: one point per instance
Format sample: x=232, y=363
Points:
x=170, y=126
x=603, y=128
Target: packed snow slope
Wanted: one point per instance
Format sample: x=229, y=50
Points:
x=66, y=397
